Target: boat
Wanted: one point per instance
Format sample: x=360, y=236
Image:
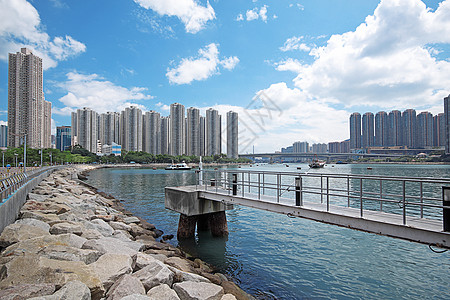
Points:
x=316, y=163
x=180, y=166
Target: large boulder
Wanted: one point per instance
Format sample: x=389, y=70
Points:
x=99, y=225
x=49, y=217
x=110, y=267
x=162, y=291
x=136, y=297
x=181, y=276
x=189, y=290
x=120, y=226
x=73, y=290
x=61, y=252
x=179, y=263
x=112, y=245
x=25, y=291
x=66, y=227
x=34, y=222
x=14, y=233
x=154, y=274
x=125, y=286
x=32, y=268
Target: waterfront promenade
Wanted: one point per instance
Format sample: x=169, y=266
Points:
x=72, y=242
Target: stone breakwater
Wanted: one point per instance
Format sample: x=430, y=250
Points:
x=71, y=242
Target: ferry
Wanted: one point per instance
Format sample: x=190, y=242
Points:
x=316, y=163
x=180, y=166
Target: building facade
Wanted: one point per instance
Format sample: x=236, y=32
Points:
x=213, y=132
x=109, y=128
x=85, y=121
x=409, y=128
x=424, y=130
x=28, y=112
x=232, y=134
x=177, y=129
x=3, y=136
x=381, y=129
x=367, y=136
x=447, y=123
x=355, y=131
x=395, y=128
x=131, y=129
x=193, y=131
x=151, y=132
x=63, y=138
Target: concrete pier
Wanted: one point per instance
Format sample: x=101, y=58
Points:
x=196, y=212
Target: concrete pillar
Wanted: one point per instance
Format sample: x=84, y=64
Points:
x=218, y=223
x=203, y=223
x=186, y=227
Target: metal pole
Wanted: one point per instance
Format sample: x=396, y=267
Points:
x=321, y=189
x=381, y=195
x=249, y=183
x=446, y=208
x=235, y=179
x=404, y=202
x=278, y=188
x=42, y=151
x=25, y=154
x=348, y=191
x=360, y=197
x=298, y=193
x=259, y=186
x=328, y=194
x=421, y=200
x=263, y=185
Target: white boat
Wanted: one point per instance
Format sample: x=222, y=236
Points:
x=316, y=163
x=180, y=166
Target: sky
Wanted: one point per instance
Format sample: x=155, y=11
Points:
x=293, y=70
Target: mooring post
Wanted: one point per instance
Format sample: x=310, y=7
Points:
x=235, y=184
x=298, y=191
x=446, y=207
x=218, y=224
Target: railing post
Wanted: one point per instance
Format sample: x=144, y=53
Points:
x=404, y=202
x=328, y=194
x=348, y=191
x=321, y=189
x=235, y=184
x=259, y=186
x=249, y=185
x=264, y=188
x=361, y=197
x=446, y=208
x=243, y=184
x=381, y=194
x=278, y=188
x=421, y=199
x=298, y=191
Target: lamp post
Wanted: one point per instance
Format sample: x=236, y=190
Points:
x=24, y=150
x=3, y=160
x=15, y=154
x=40, y=152
x=50, y=154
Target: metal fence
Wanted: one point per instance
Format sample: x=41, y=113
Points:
x=407, y=196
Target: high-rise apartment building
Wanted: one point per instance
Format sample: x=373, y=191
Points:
x=409, y=128
x=3, y=136
x=213, y=132
x=424, y=130
x=86, y=129
x=439, y=130
x=28, y=112
x=447, y=123
x=334, y=147
x=367, y=136
x=193, y=131
x=165, y=135
x=319, y=148
x=300, y=147
x=232, y=134
x=131, y=129
x=395, y=128
x=202, y=136
x=381, y=129
x=355, y=131
x=151, y=132
x=177, y=129
x=63, y=138
x=109, y=128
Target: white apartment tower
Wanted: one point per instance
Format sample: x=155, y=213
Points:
x=193, y=131
x=28, y=112
x=177, y=129
x=109, y=128
x=152, y=132
x=213, y=132
x=131, y=129
x=165, y=135
x=85, y=129
x=232, y=134
x=202, y=135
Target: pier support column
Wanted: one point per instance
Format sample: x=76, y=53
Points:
x=186, y=227
x=203, y=223
x=218, y=223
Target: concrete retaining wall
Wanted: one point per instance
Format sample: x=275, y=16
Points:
x=9, y=210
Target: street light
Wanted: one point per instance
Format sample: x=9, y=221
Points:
x=15, y=154
x=24, y=150
x=50, y=154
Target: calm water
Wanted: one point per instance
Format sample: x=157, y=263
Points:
x=275, y=257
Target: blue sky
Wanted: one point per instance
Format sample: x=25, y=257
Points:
x=294, y=70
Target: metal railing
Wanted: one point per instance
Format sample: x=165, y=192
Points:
x=12, y=183
x=407, y=196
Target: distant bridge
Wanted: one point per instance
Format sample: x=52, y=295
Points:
x=326, y=156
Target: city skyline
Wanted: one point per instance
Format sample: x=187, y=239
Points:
x=312, y=63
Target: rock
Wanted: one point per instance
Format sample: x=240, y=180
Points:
x=20, y=232
x=199, y=264
x=154, y=274
x=181, y=276
x=36, y=197
x=143, y=260
x=129, y=220
x=110, y=267
x=59, y=208
x=162, y=291
x=73, y=290
x=115, y=246
x=158, y=233
x=122, y=235
x=35, y=223
x=146, y=225
x=91, y=234
x=125, y=286
x=25, y=291
x=160, y=257
x=61, y=252
x=152, y=244
x=39, y=216
x=167, y=237
x=136, y=297
x=31, y=268
x=231, y=288
x=120, y=226
x=104, y=217
x=136, y=231
x=66, y=227
x=228, y=297
x=188, y=290
x=179, y=263
x=36, y=244
x=99, y=225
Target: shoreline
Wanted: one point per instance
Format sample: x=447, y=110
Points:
x=72, y=238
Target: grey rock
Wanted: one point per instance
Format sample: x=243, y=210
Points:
x=125, y=286
x=162, y=291
x=228, y=297
x=129, y=220
x=189, y=290
x=154, y=274
x=72, y=290
x=35, y=223
x=14, y=233
x=120, y=226
x=61, y=252
x=136, y=297
x=110, y=267
x=25, y=291
x=91, y=234
x=122, y=235
x=143, y=260
x=181, y=276
x=101, y=226
x=112, y=245
x=66, y=227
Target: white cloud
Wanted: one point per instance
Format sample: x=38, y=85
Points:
x=21, y=26
x=163, y=107
x=385, y=62
x=3, y=123
x=294, y=43
x=289, y=64
x=255, y=14
x=193, y=15
x=98, y=94
x=201, y=67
